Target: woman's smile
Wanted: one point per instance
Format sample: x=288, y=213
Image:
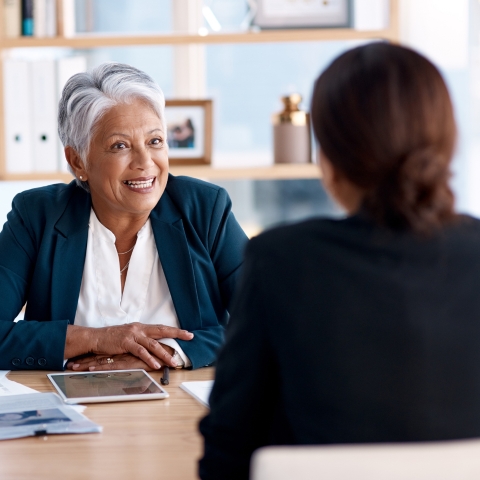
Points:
x=141, y=184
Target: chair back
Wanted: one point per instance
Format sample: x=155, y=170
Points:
x=449, y=460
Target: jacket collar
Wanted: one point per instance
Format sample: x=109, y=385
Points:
x=172, y=246
x=76, y=215
x=175, y=257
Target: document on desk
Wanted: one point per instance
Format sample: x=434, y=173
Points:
x=8, y=387
x=40, y=414
x=200, y=391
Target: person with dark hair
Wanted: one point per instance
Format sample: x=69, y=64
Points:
x=366, y=328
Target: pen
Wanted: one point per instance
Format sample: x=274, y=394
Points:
x=165, y=380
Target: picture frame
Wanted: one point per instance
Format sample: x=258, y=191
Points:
x=271, y=14
x=189, y=131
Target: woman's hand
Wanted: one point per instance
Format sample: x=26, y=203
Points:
x=125, y=361
x=137, y=339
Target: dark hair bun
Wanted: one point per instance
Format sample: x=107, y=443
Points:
x=383, y=117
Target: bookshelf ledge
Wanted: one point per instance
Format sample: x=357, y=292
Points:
x=109, y=40
x=273, y=172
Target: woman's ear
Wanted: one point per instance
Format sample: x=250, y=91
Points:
x=76, y=163
x=348, y=195
x=329, y=175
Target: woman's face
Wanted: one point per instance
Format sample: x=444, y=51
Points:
x=127, y=165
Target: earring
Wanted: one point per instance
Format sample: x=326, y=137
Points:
x=81, y=178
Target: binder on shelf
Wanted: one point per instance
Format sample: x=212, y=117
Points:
x=17, y=116
x=50, y=18
x=12, y=11
x=66, y=67
x=27, y=18
x=39, y=18
x=44, y=116
x=67, y=12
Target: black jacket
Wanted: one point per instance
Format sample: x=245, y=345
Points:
x=343, y=332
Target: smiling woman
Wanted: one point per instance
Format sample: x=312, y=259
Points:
x=136, y=267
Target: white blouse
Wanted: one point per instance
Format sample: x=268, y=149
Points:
x=146, y=297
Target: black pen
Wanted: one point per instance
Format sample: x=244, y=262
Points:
x=165, y=380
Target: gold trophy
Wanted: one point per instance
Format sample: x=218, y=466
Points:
x=291, y=132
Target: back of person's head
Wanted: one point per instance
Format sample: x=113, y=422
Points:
x=383, y=118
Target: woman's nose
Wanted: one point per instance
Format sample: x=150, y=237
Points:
x=141, y=158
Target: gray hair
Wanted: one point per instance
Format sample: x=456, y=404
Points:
x=87, y=96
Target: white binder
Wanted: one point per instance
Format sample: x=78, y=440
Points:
x=44, y=116
x=39, y=18
x=50, y=18
x=12, y=18
x=44, y=18
x=18, y=115
x=66, y=67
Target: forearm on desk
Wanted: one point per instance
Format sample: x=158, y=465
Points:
x=79, y=340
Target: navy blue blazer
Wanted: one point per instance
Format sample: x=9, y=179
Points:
x=42, y=254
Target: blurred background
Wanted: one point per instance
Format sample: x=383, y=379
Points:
x=246, y=80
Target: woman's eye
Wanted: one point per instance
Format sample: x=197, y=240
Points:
x=119, y=146
x=156, y=141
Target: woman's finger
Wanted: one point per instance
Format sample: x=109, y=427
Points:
x=157, y=350
x=162, y=331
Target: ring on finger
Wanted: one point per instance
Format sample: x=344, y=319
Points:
x=110, y=360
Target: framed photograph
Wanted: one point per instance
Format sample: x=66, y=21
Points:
x=189, y=131
x=302, y=13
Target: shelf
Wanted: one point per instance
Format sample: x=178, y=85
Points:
x=274, y=172
x=303, y=35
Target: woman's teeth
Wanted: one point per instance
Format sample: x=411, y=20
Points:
x=137, y=184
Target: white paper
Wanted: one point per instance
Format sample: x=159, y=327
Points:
x=9, y=387
x=301, y=8
x=40, y=414
x=200, y=391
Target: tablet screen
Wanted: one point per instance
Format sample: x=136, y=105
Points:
x=106, y=384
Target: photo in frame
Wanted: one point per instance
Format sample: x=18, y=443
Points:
x=189, y=131
x=302, y=13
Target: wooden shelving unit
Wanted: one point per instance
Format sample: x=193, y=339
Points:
x=274, y=172
x=310, y=35
x=95, y=41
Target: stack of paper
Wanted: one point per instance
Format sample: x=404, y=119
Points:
x=7, y=387
x=200, y=391
x=40, y=414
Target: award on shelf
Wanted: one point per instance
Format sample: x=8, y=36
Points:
x=291, y=133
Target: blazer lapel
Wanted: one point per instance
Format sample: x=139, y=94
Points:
x=176, y=261
x=69, y=255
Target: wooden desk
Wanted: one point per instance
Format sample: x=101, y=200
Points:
x=146, y=439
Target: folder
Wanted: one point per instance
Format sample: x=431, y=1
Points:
x=66, y=67
x=12, y=18
x=50, y=18
x=17, y=115
x=44, y=116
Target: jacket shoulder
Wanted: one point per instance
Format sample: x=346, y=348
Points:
x=44, y=204
x=289, y=238
x=46, y=197
x=195, y=198
x=192, y=188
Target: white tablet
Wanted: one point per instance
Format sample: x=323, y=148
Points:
x=106, y=386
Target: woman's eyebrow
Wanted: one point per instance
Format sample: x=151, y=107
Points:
x=118, y=134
